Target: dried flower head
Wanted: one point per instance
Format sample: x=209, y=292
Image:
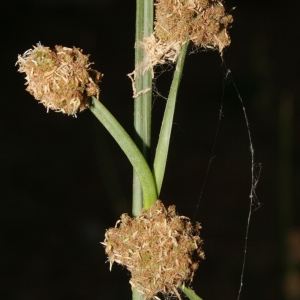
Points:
x=161, y=249
x=204, y=22
x=61, y=79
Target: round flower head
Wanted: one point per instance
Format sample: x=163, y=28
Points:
x=203, y=22
x=161, y=249
x=61, y=79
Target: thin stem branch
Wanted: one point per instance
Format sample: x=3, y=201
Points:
x=129, y=147
x=190, y=293
x=162, y=149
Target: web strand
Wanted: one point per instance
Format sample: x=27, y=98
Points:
x=255, y=169
x=212, y=156
x=254, y=179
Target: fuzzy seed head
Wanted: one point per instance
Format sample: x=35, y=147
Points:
x=61, y=80
x=161, y=249
x=203, y=22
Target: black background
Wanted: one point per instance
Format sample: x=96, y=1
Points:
x=64, y=180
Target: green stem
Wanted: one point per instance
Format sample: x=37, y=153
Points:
x=142, y=103
x=161, y=154
x=190, y=293
x=136, y=295
x=137, y=195
x=130, y=149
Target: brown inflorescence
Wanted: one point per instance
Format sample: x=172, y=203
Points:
x=62, y=79
x=161, y=249
x=204, y=22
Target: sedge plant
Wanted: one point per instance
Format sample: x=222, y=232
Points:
x=161, y=249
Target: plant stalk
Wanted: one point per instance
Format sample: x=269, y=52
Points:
x=130, y=149
x=142, y=103
x=190, y=293
x=162, y=149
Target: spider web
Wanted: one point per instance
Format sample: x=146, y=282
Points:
x=255, y=167
x=255, y=173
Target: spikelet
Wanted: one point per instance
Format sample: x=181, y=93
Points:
x=161, y=249
x=203, y=22
x=61, y=80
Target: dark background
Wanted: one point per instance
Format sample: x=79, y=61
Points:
x=63, y=180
